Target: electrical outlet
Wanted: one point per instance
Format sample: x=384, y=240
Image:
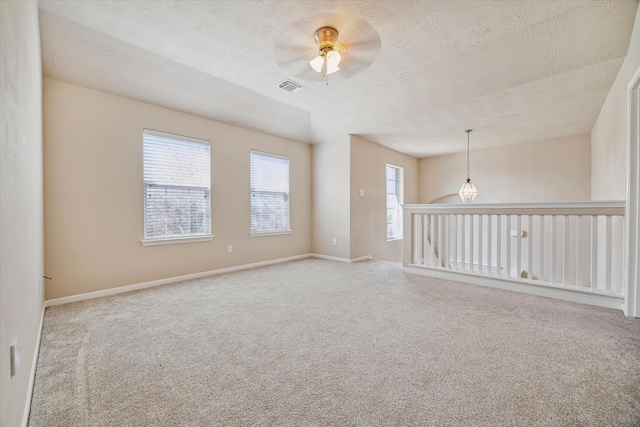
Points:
x=229, y=249
x=335, y=242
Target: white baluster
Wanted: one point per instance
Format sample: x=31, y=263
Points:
x=594, y=252
x=519, y=245
x=416, y=236
x=480, y=243
x=499, y=245
x=578, y=249
x=554, y=247
x=471, y=239
x=608, y=250
x=454, y=240
x=541, y=249
x=439, y=241
x=530, y=248
x=489, y=243
x=565, y=250
x=508, y=248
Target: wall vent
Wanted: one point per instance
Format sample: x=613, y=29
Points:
x=290, y=86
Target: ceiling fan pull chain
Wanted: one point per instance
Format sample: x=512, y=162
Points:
x=324, y=69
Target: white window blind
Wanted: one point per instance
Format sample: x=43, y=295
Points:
x=394, y=202
x=269, y=193
x=177, y=187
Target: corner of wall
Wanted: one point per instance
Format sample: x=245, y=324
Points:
x=610, y=131
x=21, y=196
x=331, y=194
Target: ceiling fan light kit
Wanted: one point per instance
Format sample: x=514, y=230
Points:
x=329, y=51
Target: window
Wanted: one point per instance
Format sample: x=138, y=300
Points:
x=269, y=193
x=394, y=202
x=177, y=187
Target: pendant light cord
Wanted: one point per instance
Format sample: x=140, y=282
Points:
x=468, y=176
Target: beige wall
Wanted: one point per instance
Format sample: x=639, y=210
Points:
x=330, y=189
x=368, y=212
x=94, y=193
x=609, y=134
x=21, y=226
x=554, y=170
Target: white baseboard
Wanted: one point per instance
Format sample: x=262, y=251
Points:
x=145, y=285
x=600, y=300
x=32, y=374
x=339, y=259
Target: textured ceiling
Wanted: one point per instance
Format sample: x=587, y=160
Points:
x=415, y=76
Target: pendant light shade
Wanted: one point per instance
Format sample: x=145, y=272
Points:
x=468, y=191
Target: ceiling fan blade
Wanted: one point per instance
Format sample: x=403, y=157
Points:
x=291, y=62
x=284, y=49
x=363, y=45
x=359, y=57
x=297, y=47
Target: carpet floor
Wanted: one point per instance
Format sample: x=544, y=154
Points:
x=320, y=343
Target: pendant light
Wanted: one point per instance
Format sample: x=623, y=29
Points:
x=468, y=191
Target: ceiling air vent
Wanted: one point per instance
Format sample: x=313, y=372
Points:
x=290, y=86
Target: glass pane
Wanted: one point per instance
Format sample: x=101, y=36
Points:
x=177, y=180
x=269, y=192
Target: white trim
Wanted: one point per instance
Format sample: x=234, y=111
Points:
x=607, y=301
x=145, y=285
x=267, y=154
x=269, y=233
x=331, y=258
x=614, y=207
x=631, y=280
x=169, y=135
x=32, y=375
x=339, y=259
x=467, y=266
x=156, y=242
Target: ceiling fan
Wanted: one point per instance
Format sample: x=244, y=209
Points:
x=329, y=51
x=327, y=44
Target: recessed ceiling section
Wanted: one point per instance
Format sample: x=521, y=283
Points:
x=78, y=55
x=578, y=98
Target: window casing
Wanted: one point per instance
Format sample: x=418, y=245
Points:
x=394, y=180
x=177, y=188
x=269, y=193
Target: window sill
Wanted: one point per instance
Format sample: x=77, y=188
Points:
x=175, y=241
x=269, y=233
x=394, y=240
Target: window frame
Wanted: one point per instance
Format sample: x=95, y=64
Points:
x=400, y=196
x=269, y=232
x=174, y=239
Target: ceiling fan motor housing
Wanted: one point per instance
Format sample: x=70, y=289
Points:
x=327, y=38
